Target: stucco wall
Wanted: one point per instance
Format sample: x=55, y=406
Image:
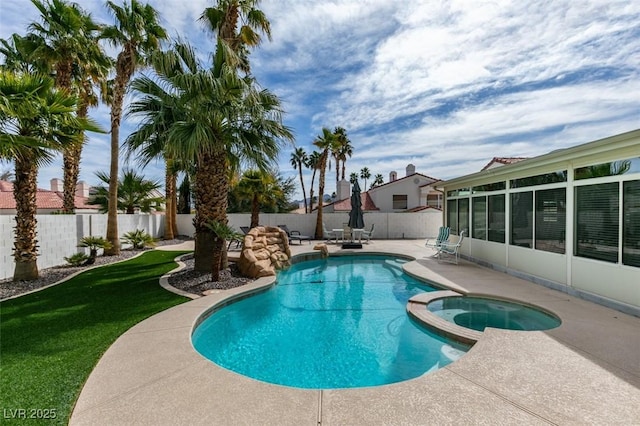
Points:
x=383, y=195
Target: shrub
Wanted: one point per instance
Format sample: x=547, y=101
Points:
x=77, y=259
x=94, y=243
x=139, y=239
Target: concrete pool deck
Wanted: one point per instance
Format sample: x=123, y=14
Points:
x=587, y=371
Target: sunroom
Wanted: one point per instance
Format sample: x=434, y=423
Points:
x=569, y=219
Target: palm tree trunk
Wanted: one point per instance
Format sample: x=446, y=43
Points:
x=124, y=69
x=255, y=211
x=169, y=190
x=71, y=154
x=71, y=166
x=211, y=189
x=323, y=164
x=313, y=177
x=304, y=193
x=25, y=245
x=174, y=205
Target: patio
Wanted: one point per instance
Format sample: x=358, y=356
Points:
x=587, y=371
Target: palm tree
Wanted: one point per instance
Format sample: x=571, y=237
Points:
x=65, y=40
x=377, y=180
x=233, y=43
x=35, y=119
x=365, y=174
x=261, y=187
x=134, y=193
x=327, y=142
x=345, y=151
x=138, y=33
x=7, y=174
x=224, y=121
x=353, y=178
x=158, y=109
x=184, y=200
x=313, y=163
x=17, y=58
x=342, y=150
x=298, y=158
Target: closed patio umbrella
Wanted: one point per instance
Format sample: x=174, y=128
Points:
x=356, y=218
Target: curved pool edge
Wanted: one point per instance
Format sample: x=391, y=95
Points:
x=416, y=307
x=153, y=375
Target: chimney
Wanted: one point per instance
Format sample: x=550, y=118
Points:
x=56, y=185
x=343, y=190
x=411, y=169
x=393, y=176
x=82, y=189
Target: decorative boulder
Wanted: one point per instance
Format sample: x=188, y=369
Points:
x=266, y=249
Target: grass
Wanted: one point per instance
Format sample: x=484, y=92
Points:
x=51, y=340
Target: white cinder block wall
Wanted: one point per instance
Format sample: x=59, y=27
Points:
x=387, y=225
x=58, y=235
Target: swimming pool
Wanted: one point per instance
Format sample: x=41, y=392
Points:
x=477, y=313
x=330, y=323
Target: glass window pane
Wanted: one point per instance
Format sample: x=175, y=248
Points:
x=597, y=209
x=496, y=186
x=463, y=215
x=539, y=179
x=522, y=219
x=614, y=168
x=496, y=218
x=479, y=218
x=399, y=202
x=631, y=224
x=452, y=215
x=551, y=220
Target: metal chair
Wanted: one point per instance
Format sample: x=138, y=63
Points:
x=443, y=237
x=451, y=249
x=295, y=235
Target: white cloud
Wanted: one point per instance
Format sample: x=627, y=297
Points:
x=445, y=85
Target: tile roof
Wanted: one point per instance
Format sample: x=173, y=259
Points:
x=44, y=199
x=503, y=161
x=345, y=205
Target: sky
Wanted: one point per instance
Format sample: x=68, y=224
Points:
x=444, y=85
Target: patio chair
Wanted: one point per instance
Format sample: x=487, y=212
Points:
x=366, y=235
x=326, y=234
x=295, y=235
x=238, y=238
x=346, y=232
x=443, y=237
x=451, y=249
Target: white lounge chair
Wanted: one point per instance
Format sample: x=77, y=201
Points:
x=443, y=237
x=451, y=249
x=366, y=235
x=326, y=234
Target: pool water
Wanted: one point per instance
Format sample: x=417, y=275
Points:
x=478, y=313
x=333, y=323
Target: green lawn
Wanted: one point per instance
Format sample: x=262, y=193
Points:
x=51, y=340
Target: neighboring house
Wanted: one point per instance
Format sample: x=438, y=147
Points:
x=47, y=201
x=569, y=219
x=412, y=193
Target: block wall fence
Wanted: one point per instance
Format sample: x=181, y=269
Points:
x=58, y=235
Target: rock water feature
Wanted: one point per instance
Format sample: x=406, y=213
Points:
x=265, y=249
